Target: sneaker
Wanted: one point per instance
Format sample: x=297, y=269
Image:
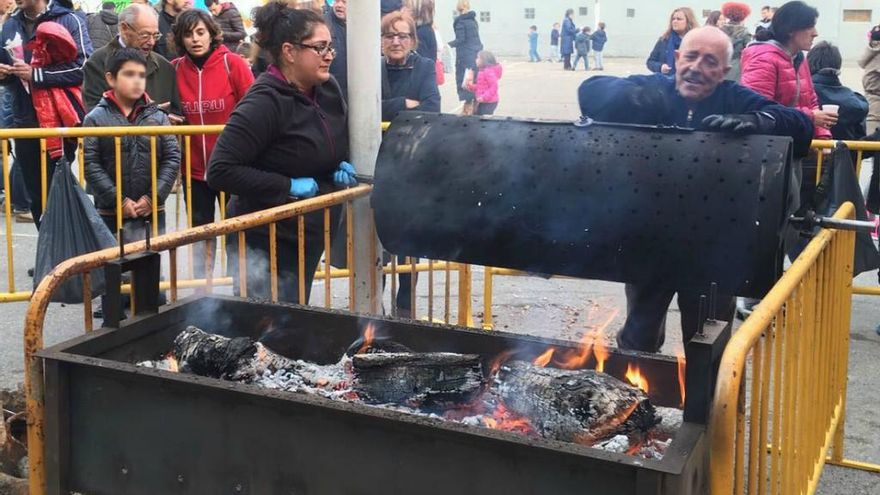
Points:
x=745, y=306
x=23, y=217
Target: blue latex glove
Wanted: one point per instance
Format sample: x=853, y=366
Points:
x=303, y=188
x=345, y=175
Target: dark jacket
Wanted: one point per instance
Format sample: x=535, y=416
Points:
x=427, y=41
x=554, y=37
x=275, y=134
x=100, y=155
x=610, y=99
x=582, y=43
x=61, y=75
x=599, y=38
x=229, y=20
x=569, y=31
x=467, y=39
x=166, y=22
x=661, y=54
x=161, y=81
x=740, y=37
x=339, y=35
x=853, y=106
x=103, y=27
x=416, y=80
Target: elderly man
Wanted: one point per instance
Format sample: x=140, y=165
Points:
x=698, y=97
x=138, y=28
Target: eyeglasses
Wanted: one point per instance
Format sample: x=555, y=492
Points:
x=321, y=50
x=391, y=37
x=144, y=36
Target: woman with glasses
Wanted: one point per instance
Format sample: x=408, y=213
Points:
x=211, y=81
x=287, y=139
x=409, y=82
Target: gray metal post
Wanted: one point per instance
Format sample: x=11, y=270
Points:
x=364, y=126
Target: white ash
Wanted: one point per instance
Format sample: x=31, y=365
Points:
x=166, y=364
x=671, y=420
x=618, y=444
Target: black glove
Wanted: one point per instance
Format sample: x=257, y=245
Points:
x=652, y=102
x=743, y=123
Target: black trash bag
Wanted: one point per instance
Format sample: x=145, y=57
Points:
x=839, y=184
x=70, y=227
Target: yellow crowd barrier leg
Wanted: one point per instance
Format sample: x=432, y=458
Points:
x=488, y=276
x=328, y=293
x=273, y=260
x=154, y=193
x=7, y=207
x=465, y=313
x=301, y=257
x=117, y=143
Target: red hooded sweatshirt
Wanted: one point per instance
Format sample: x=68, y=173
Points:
x=208, y=96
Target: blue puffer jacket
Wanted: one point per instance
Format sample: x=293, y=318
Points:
x=63, y=75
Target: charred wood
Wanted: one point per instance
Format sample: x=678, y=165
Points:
x=582, y=406
x=417, y=379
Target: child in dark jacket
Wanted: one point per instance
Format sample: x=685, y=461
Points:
x=127, y=104
x=485, y=88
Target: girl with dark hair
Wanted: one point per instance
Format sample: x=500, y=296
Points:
x=662, y=58
x=286, y=139
x=825, y=62
x=778, y=68
x=211, y=81
x=715, y=19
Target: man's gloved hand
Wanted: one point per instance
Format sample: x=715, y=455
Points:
x=742, y=123
x=652, y=101
x=345, y=175
x=303, y=188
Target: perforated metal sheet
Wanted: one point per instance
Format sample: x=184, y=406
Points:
x=675, y=209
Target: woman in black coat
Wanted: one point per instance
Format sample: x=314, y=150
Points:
x=467, y=44
x=423, y=14
x=286, y=139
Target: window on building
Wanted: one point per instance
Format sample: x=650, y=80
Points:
x=707, y=12
x=530, y=13
x=485, y=17
x=630, y=12
x=582, y=11
x=856, y=15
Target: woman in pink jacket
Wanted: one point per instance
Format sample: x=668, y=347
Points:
x=777, y=68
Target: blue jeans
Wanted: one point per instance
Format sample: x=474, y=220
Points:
x=533, y=54
x=598, y=57
x=586, y=59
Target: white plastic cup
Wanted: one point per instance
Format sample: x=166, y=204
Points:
x=831, y=108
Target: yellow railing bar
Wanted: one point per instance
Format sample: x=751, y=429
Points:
x=44, y=182
x=84, y=132
x=724, y=408
x=35, y=318
x=7, y=206
x=117, y=142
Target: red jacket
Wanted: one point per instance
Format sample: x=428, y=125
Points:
x=55, y=107
x=770, y=70
x=486, y=87
x=208, y=96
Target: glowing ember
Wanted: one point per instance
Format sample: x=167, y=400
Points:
x=502, y=419
x=679, y=356
x=544, y=359
x=369, y=336
x=173, y=365
x=635, y=377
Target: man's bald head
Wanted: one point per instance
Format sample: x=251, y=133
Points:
x=701, y=62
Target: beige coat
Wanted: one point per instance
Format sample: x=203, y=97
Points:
x=870, y=61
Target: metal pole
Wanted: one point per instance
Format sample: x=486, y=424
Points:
x=364, y=126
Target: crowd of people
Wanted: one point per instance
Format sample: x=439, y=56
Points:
x=571, y=40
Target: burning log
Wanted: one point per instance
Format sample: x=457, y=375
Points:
x=430, y=378
x=582, y=406
x=241, y=359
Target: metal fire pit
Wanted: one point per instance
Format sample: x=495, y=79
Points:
x=114, y=428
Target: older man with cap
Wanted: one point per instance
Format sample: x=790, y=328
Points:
x=138, y=28
x=698, y=97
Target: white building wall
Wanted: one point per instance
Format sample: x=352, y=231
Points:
x=505, y=33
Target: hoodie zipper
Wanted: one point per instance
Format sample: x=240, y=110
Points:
x=690, y=118
x=202, y=120
x=324, y=124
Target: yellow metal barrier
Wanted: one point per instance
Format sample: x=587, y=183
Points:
x=780, y=400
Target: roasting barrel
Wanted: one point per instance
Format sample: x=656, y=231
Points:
x=668, y=207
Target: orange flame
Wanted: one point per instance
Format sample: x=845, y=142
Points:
x=679, y=357
x=369, y=336
x=634, y=375
x=173, y=365
x=502, y=419
x=544, y=359
x=499, y=361
x=590, y=344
